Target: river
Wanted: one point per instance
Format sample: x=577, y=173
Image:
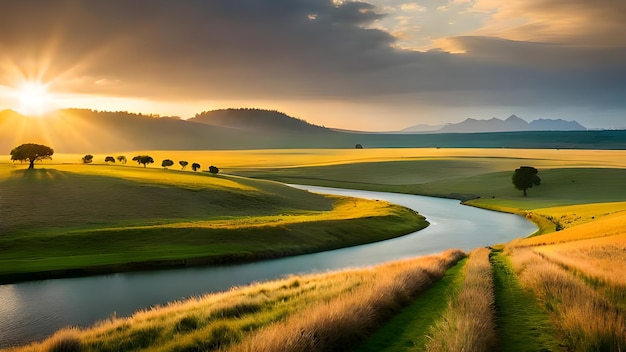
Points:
x=33, y=310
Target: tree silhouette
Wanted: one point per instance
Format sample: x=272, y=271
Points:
x=183, y=164
x=31, y=152
x=167, y=163
x=358, y=146
x=213, y=169
x=525, y=177
x=143, y=159
x=109, y=159
x=195, y=166
x=121, y=159
x=87, y=159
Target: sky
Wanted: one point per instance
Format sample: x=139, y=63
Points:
x=373, y=66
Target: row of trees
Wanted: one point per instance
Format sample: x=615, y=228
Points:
x=147, y=159
x=32, y=152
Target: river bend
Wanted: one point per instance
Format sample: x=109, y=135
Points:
x=33, y=310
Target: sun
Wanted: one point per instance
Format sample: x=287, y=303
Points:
x=33, y=99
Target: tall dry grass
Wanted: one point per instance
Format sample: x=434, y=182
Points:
x=333, y=308
x=586, y=319
x=599, y=259
x=345, y=321
x=469, y=322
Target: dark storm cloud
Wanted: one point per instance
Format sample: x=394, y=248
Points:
x=288, y=49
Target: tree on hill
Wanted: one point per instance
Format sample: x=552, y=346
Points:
x=143, y=159
x=167, y=163
x=109, y=159
x=31, y=152
x=121, y=159
x=87, y=159
x=183, y=164
x=213, y=169
x=525, y=177
x=195, y=166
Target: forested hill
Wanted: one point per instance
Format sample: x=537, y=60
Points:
x=87, y=131
x=258, y=120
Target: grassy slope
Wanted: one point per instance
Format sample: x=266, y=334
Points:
x=81, y=216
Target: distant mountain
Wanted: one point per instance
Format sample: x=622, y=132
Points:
x=258, y=120
x=511, y=124
x=556, y=125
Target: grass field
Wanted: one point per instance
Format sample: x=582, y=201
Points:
x=561, y=290
x=77, y=219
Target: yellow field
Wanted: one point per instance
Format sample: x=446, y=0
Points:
x=544, y=158
x=609, y=225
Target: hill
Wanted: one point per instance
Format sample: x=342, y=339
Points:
x=257, y=120
x=70, y=227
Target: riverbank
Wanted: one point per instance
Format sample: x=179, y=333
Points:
x=79, y=220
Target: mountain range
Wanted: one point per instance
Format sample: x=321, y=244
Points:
x=512, y=123
x=87, y=131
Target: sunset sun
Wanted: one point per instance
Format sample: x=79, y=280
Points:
x=34, y=99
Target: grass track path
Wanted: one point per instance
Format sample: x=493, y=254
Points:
x=407, y=330
x=522, y=325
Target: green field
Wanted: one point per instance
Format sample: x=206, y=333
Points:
x=81, y=219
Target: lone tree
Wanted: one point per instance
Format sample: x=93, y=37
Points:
x=195, y=166
x=213, y=169
x=167, y=163
x=31, y=152
x=87, y=159
x=121, y=159
x=109, y=159
x=183, y=164
x=358, y=146
x=525, y=177
x=143, y=159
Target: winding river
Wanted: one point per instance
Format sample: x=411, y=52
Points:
x=33, y=310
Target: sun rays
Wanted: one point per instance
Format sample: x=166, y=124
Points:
x=33, y=99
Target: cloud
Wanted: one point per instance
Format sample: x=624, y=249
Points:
x=297, y=50
x=571, y=22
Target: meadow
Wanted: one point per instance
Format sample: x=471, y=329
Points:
x=559, y=290
x=73, y=219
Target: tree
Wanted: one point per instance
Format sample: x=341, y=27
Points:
x=167, y=163
x=31, y=152
x=143, y=159
x=525, y=177
x=87, y=159
x=358, y=146
x=109, y=159
x=183, y=164
x=121, y=159
x=213, y=169
x=195, y=166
